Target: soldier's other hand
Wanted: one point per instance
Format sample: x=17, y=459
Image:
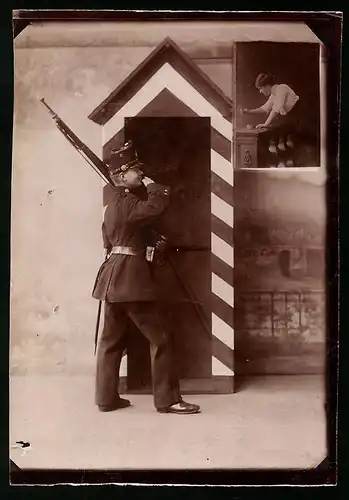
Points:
x=147, y=180
x=161, y=245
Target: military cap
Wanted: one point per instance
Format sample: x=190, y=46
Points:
x=123, y=159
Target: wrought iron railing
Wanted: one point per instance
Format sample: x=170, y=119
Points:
x=268, y=313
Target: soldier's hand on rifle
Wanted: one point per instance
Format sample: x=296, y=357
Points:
x=161, y=244
x=147, y=180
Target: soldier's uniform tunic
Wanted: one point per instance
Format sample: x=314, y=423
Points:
x=126, y=284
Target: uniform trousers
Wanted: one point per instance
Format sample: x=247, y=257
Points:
x=147, y=318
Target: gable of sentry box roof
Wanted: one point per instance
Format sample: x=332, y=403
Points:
x=167, y=52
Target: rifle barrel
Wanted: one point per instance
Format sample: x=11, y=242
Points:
x=80, y=146
x=42, y=100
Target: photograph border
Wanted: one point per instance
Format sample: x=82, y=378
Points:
x=328, y=27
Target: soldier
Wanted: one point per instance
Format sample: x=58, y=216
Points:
x=125, y=283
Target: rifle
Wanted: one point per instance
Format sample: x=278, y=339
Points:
x=96, y=163
x=102, y=170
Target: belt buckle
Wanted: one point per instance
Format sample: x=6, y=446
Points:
x=149, y=254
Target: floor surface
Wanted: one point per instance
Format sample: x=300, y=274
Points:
x=271, y=422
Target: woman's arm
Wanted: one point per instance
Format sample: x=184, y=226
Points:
x=255, y=111
x=272, y=115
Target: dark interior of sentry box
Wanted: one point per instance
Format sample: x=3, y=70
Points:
x=176, y=152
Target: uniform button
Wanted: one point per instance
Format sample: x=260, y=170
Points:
x=165, y=191
x=127, y=190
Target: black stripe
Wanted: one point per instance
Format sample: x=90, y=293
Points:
x=222, y=270
x=222, y=230
x=221, y=144
x=223, y=352
x=223, y=310
x=166, y=104
x=222, y=189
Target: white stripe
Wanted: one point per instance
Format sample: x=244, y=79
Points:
x=222, y=250
x=222, y=210
x=222, y=289
x=222, y=167
x=123, y=367
x=167, y=77
x=222, y=331
x=219, y=369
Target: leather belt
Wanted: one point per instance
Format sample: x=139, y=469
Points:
x=119, y=250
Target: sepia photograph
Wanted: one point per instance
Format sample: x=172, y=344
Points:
x=168, y=246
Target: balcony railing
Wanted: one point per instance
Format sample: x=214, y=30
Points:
x=279, y=314
x=258, y=148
